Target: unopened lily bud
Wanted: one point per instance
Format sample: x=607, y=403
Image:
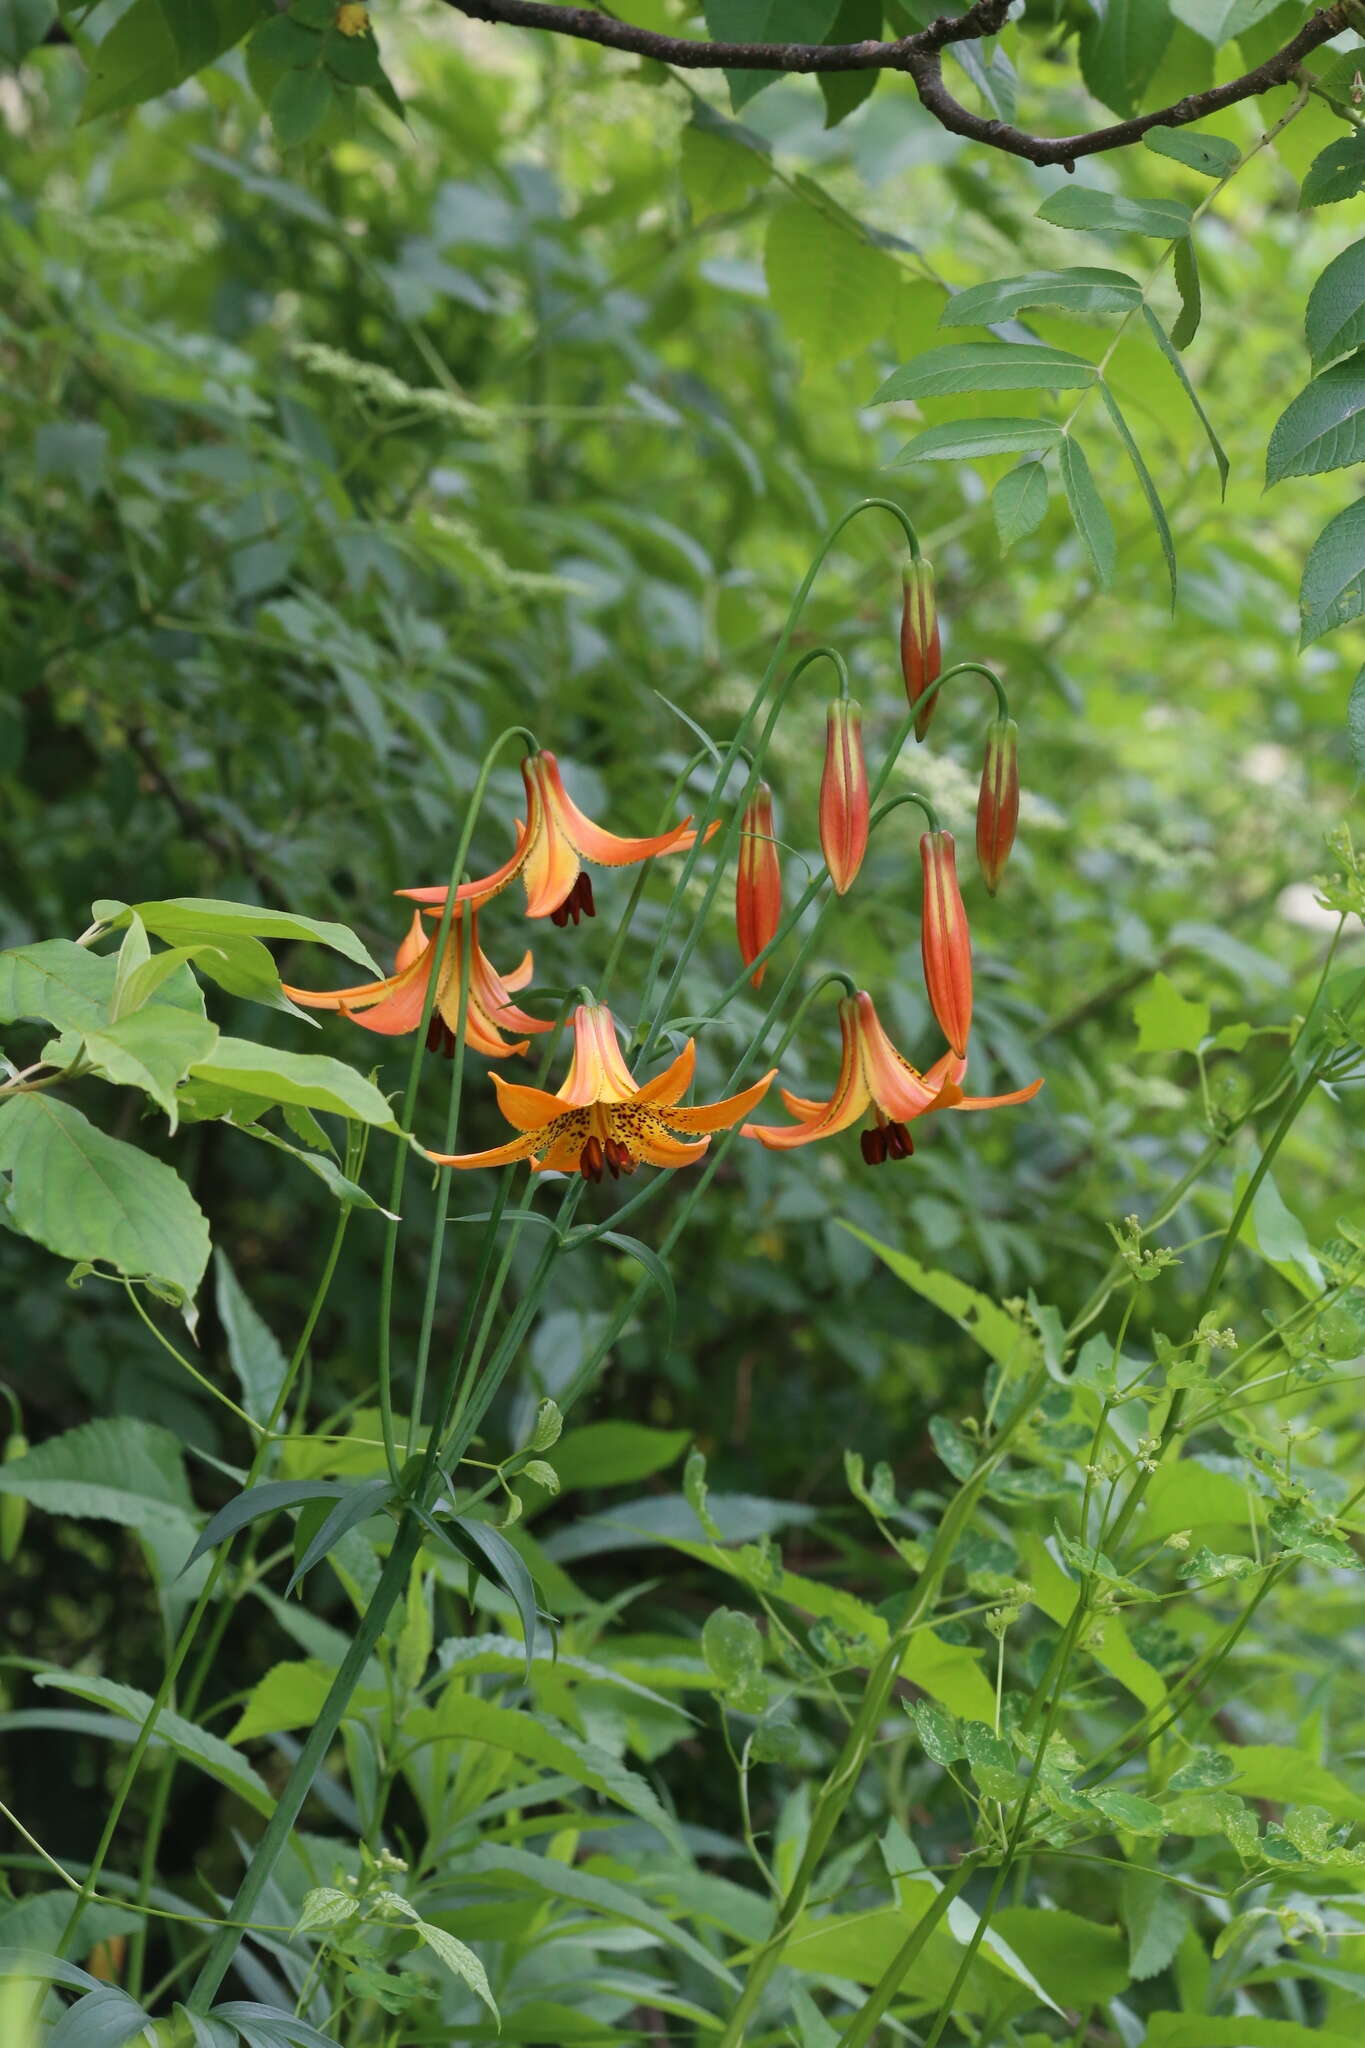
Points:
x=843, y=794
x=921, y=659
x=997, y=806
x=758, y=881
x=13, y=1506
x=945, y=942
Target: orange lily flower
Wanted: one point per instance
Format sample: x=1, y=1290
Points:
x=873, y=1075
x=551, y=848
x=758, y=881
x=601, y=1118
x=843, y=794
x=945, y=942
x=394, y=1006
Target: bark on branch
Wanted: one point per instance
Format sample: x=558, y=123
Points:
x=918, y=56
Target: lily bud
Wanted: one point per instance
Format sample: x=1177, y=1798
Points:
x=997, y=806
x=758, y=881
x=945, y=942
x=921, y=659
x=843, y=794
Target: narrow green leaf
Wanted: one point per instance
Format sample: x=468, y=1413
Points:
x=1082, y=206
x=92, y=1198
x=1149, y=489
x=193, y=1743
x=356, y=1504
x=1191, y=302
x=1332, y=592
x=188, y=920
x=263, y=1072
x=1213, y=156
x=1355, y=721
x=256, y=1501
x=1324, y=427
x=253, y=1353
x=1087, y=509
x=1335, y=319
x=959, y=440
x=1019, y=502
x=1336, y=173
x=1082, y=292
x=987, y=366
x=1163, y=342
x=998, y=1334
x=1121, y=46
x=829, y=286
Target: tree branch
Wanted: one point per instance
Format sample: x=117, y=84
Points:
x=918, y=57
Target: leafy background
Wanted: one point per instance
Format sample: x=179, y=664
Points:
x=337, y=441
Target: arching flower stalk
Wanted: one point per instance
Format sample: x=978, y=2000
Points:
x=601, y=1119
x=395, y=1006
x=552, y=845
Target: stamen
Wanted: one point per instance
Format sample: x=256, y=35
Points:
x=578, y=903
x=873, y=1144
x=590, y=1160
x=440, y=1037
x=585, y=894
x=618, y=1158
x=899, y=1143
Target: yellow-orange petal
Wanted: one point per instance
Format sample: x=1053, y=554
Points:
x=893, y=1084
x=500, y=1155
x=527, y=1109
x=674, y=1081
x=413, y=945
x=648, y=1140
x=998, y=1101
x=597, y=1073
x=589, y=839
x=945, y=943
x=718, y=1116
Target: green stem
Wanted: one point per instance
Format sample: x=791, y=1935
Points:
x=859, y=2030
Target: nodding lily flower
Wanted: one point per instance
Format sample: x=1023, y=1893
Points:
x=758, y=881
x=552, y=845
x=921, y=656
x=602, y=1119
x=843, y=794
x=874, y=1076
x=394, y=1006
x=945, y=942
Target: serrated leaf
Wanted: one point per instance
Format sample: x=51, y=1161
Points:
x=765, y=21
x=986, y=366
x=1205, y=1565
x=1355, y=721
x=1299, y=1531
x=1186, y=324
x=1019, y=502
x=158, y=44
x=1149, y=489
x=461, y=1961
x=1324, y=427
x=961, y=440
x=1168, y=1021
x=1335, y=319
x=1332, y=592
x=829, y=286
x=1219, y=21
x=91, y=1198
x=1128, y=1810
x=1336, y=173
x=1213, y=156
x=1083, y=293
x=719, y=171
x=115, y=1469
x=1121, y=48
x=1157, y=1921
x=253, y=1352
x=193, y=1743
x=1087, y=509
x=1163, y=342
x=858, y=21
x=324, y=1906
x=939, y=1734
x=1084, y=207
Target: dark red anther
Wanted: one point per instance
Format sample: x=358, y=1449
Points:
x=618, y=1158
x=590, y=1160
x=589, y=908
x=899, y=1142
x=872, y=1143
x=578, y=903
x=440, y=1037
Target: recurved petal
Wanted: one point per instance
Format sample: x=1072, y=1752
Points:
x=414, y=944
x=648, y=1140
x=591, y=841
x=527, y=1109
x=520, y=976
x=500, y=1155
x=668, y=1087
x=478, y=891
x=802, y=1105
x=997, y=1101
x=390, y=1007
x=893, y=1083
x=718, y=1116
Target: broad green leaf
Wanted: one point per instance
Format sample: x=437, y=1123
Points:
x=959, y=440
x=104, y=2018
x=1056, y=1595
x=719, y=172
x=1337, y=173
x=291, y=1695
x=1120, y=49
x=1199, y=2030
x=1296, y=1529
x=158, y=44
x=1324, y=427
x=1168, y=1021
x=615, y=1454
x=23, y=24
x=1019, y=502
x=1271, y=1771
x=829, y=286
x=44, y=1969
x=460, y=1960
x=1157, y=1920
x=858, y=21
x=1333, y=589
x=253, y=1352
x=998, y=1334
x=188, y=920
x=1127, y=1810
x=264, y=1072
x=986, y=366
x=319, y=1163
x=59, y=982
x=1355, y=721
x=1149, y=489
x=1083, y=206
x=1219, y=21
x=1213, y=156
x=1172, y=355
x=1280, y=1237
x=1088, y=509
x=152, y=1049
x=766, y=21
x=1082, y=293
x=1079, y=1961
x=1186, y=324
x=116, y=1469
x=89, y=1197
x=1335, y=319
x=196, y=1745
x=299, y=105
